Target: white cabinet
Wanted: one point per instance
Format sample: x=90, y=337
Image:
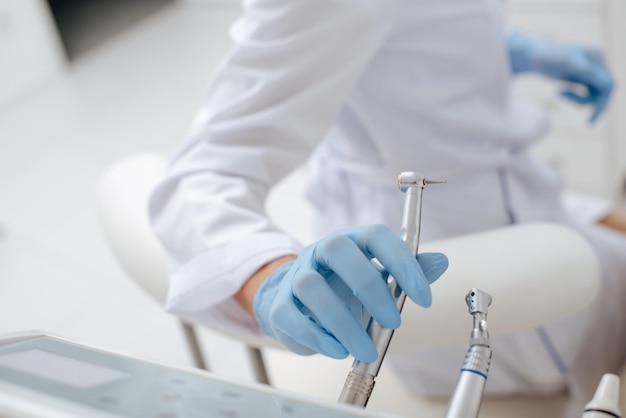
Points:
x=587, y=155
x=30, y=49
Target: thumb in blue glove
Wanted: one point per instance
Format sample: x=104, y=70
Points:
x=582, y=66
x=322, y=301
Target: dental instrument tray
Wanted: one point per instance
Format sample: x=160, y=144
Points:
x=42, y=375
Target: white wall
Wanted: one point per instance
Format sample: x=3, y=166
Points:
x=30, y=49
x=617, y=11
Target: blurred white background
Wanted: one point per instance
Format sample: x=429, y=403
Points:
x=132, y=87
x=129, y=79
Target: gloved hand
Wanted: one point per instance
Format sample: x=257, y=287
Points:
x=321, y=302
x=576, y=64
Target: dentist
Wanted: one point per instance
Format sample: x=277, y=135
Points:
x=359, y=91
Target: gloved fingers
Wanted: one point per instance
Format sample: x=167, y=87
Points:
x=598, y=110
x=598, y=97
x=433, y=265
x=301, y=334
x=601, y=95
x=341, y=255
x=576, y=97
x=583, y=66
x=334, y=316
x=354, y=305
x=598, y=80
x=307, y=339
x=595, y=56
x=296, y=347
x=395, y=256
x=317, y=342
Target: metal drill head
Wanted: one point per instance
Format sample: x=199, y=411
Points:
x=408, y=179
x=477, y=301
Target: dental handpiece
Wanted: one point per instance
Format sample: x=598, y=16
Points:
x=361, y=379
x=606, y=400
x=467, y=397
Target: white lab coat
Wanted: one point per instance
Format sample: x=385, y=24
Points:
x=360, y=90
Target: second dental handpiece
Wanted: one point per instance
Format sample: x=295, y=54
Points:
x=468, y=394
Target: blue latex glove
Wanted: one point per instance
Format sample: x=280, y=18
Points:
x=581, y=65
x=321, y=302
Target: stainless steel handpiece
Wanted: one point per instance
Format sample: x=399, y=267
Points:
x=360, y=381
x=467, y=397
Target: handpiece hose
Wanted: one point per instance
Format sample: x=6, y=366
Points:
x=361, y=379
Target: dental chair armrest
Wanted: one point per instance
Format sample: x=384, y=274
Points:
x=536, y=273
x=123, y=194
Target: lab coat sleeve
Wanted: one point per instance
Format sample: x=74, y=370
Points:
x=272, y=100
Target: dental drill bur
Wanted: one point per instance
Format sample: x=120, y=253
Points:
x=467, y=397
x=360, y=381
